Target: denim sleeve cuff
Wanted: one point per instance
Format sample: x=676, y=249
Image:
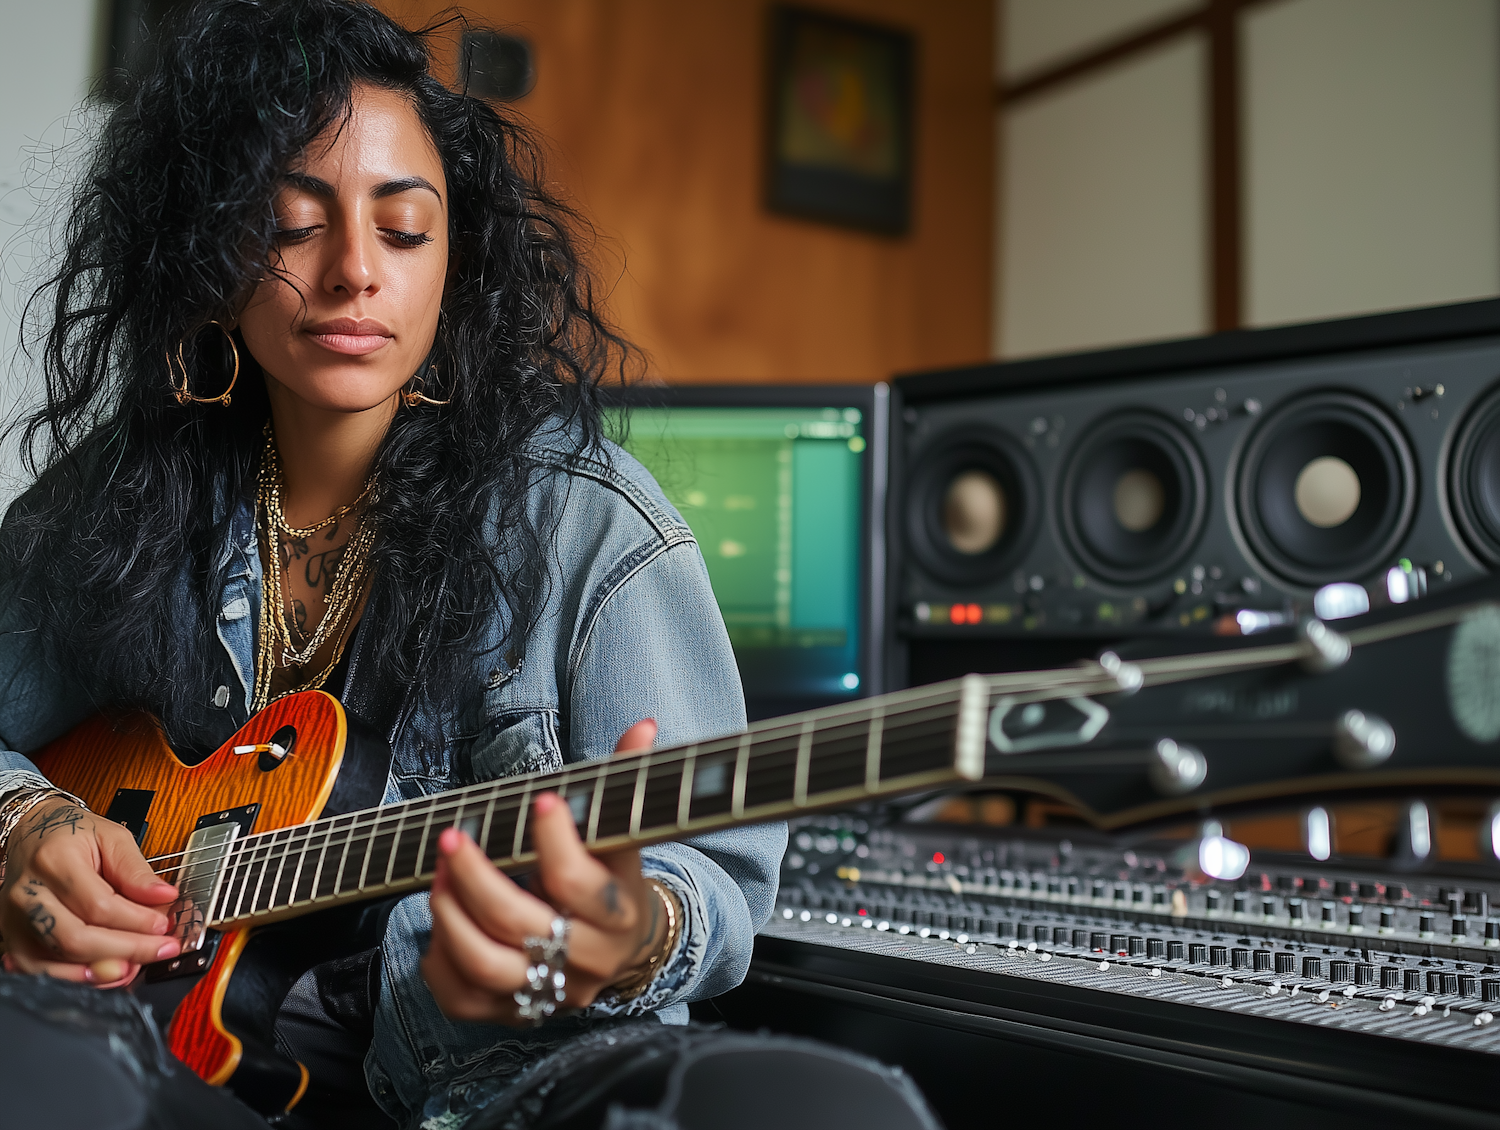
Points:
x=679, y=969
x=15, y=780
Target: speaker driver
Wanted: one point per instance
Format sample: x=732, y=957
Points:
x=1133, y=498
x=1326, y=489
x=971, y=508
x=1474, y=479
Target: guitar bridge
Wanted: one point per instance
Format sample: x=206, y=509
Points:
x=187, y=964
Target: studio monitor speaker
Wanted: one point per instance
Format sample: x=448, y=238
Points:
x=1043, y=508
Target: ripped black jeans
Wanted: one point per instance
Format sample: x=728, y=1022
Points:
x=75, y=1058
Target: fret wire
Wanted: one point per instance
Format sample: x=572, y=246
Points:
x=260, y=880
x=312, y=891
x=426, y=830
x=804, y=762
x=390, y=864
x=515, y=850
x=484, y=828
x=741, y=768
x=872, y=751
x=685, y=789
x=364, y=867
x=338, y=874
x=291, y=894
x=596, y=803
x=638, y=796
x=280, y=857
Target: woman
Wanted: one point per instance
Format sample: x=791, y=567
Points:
x=322, y=412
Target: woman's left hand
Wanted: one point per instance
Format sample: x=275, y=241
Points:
x=477, y=959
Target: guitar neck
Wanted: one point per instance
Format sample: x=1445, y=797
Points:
x=878, y=747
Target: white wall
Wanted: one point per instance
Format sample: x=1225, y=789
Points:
x=1102, y=224
x=48, y=50
x=1372, y=154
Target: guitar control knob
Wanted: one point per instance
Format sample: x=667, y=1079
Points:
x=1364, y=974
x=1312, y=968
x=1240, y=958
x=1340, y=971
x=1411, y=980
x=1262, y=961
x=1286, y=963
x=1175, y=951
x=1390, y=977
x=1219, y=955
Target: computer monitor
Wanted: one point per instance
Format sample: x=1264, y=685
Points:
x=784, y=488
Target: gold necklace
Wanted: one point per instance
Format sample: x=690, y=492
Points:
x=276, y=648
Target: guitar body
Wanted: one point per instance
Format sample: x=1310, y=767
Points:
x=221, y=1028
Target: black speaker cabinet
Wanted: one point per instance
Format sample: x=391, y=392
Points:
x=1043, y=508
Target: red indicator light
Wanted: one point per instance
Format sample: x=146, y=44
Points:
x=938, y=857
x=863, y=913
x=974, y=613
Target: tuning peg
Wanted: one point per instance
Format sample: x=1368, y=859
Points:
x=1176, y=769
x=1327, y=649
x=1361, y=741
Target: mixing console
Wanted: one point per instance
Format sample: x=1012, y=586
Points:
x=1414, y=958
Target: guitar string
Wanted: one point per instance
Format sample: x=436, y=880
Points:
x=726, y=743
x=241, y=871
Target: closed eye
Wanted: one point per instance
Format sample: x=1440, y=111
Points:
x=407, y=238
x=295, y=235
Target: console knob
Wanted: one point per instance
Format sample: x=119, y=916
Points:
x=1240, y=958
x=1137, y=946
x=1241, y=901
x=1286, y=963
x=1099, y=888
x=1268, y=907
x=1341, y=971
x=1364, y=974
x=1198, y=954
x=1328, y=913
x=1387, y=918
x=1098, y=942
x=1356, y=915
x=1081, y=940
x=1460, y=926
x=1041, y=933
x=1490, y=990
x=1390, y=977
x=1312, y=968
x=1468, y=986
x=1059, y=935
x=1212, y=900
x=1424, y=922
x=1156, y=947
x=1119, y=943
x=1294, y=910
x=1219, y=955
x=1175, y=951
x=1411, y=980
x=1262, y=961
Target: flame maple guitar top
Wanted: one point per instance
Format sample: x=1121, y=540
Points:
x=100, y=757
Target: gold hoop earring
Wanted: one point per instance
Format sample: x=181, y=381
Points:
x=180, y=390
x=415, y=396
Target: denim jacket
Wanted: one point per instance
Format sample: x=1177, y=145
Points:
x=628, y=630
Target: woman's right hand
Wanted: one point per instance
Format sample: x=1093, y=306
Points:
x=80, y=902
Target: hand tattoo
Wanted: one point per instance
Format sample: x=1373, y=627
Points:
x=609, y=895
x=33, y=886
x=43, y=923
x=69, y=816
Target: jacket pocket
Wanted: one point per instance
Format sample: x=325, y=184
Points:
x=516, y=742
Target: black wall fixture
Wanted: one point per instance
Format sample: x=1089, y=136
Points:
x=495, y=66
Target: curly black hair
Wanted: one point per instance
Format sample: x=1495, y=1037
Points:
x=170, y=230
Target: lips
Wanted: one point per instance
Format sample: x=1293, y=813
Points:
x=353, y=337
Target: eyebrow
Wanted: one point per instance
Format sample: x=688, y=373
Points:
x=317, y=186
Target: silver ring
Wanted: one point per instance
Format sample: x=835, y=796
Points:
x=546, y=983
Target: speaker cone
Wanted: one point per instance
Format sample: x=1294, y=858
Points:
x=971, y=507
x=1326, y=489
x=1133, y=498
x=1474, y=479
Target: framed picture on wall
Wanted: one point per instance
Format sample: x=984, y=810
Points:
x=840, y=123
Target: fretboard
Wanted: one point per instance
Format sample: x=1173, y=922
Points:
x=821, y=759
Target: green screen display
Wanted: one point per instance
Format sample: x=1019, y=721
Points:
x=773, y=496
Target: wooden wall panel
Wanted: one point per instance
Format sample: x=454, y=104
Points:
x=654, y=111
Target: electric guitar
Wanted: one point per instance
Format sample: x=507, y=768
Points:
x=1396, y=699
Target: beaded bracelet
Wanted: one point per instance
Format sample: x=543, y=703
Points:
x=16, y=809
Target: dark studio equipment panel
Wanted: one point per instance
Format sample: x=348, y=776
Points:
x=1044, y=507
x=1234, y=857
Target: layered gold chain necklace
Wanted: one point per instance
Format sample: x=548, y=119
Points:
x=277, y=649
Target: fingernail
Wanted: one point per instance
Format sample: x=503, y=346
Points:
x=168, y=949
x=450, y=839
x=88, y=974
x=546, y=803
